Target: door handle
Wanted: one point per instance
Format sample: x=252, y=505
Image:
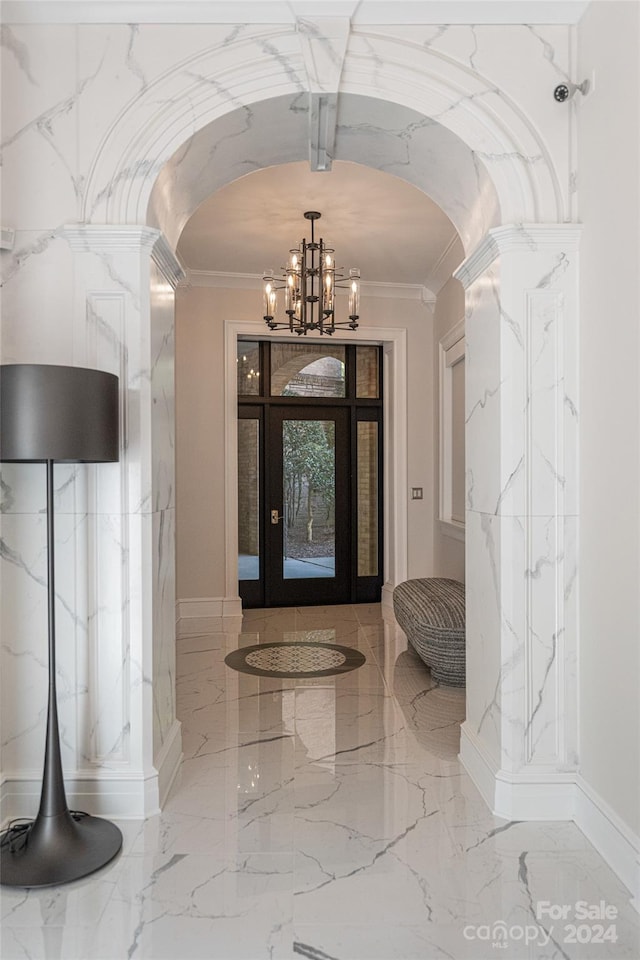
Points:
x=275, y=518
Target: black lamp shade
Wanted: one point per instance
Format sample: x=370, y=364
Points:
x=67, y=414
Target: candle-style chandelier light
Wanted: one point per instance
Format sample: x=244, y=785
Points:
x=308, y=287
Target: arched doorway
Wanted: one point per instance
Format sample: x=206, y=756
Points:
x=479, y=158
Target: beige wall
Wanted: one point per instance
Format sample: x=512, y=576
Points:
x=200, y=442
x=201, y=312
x=448, y=553
x=609, y=203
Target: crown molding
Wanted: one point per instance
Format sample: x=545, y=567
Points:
x=397, y=291
x=446, y=253
x=254, y=281
x=232, y=281
x=365, y=13
x=516, y=238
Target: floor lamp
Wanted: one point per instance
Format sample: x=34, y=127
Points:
x=70, y=415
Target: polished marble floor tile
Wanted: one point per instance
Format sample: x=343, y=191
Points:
x=321, y=817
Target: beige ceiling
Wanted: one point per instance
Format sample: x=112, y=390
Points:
x=388, y=228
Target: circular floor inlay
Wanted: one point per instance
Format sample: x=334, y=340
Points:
x=299, y=659
x=295, y=659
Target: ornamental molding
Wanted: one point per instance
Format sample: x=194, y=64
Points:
x=168, y=263
x=516, y=238
x=104, y=238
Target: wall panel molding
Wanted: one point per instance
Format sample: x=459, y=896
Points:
x=451, y=351
x=108, y=634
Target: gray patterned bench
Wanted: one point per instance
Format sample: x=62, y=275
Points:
x=432, y=614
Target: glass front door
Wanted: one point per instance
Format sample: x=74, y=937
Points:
x=309, y=473
x=308, y=508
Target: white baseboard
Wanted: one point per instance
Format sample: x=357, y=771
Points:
x=531, y=795
x=168, y=761
x=200, y=615
x=555, y=796
x=386, y=598
x=611, y=837
x=535, y=796
x=480, y=766
x=119, y=794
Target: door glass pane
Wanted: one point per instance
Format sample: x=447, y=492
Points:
x=367, y=499
x=248, y=500
x=367, y=372
x=301, y=370
x=308, y=486
x=248, y=367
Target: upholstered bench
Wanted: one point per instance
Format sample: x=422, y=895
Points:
x=431, y=612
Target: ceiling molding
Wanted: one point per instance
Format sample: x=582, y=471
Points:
x=368, y=288
x=444, y=269
x=366, y=13
x=232, y=281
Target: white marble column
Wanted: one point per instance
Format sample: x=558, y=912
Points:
x=114, y=552
x=520, y=737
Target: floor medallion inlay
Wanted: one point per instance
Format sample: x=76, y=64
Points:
x=299, y=659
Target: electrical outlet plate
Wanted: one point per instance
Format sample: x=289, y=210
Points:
x=7, y=238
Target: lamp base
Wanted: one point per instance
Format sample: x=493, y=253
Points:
x=59, y=849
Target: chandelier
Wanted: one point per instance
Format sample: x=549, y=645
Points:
x=309, y=285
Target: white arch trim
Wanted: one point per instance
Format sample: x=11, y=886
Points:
x=269, y=63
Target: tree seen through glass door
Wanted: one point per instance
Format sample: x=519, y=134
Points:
x=308, y=448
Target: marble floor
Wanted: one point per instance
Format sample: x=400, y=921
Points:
x=326, y=818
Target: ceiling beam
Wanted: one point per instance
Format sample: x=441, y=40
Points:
x=324, y=45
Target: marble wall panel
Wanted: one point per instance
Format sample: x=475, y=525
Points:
x=105, y=540
x=162, y=371
x=522, y=497
x=483, y=383
x=25, y=637
x=540, y=397
x=164, y=626
x=116, y=65
x=40, y=183
x=484, y=629
x=37, y=292
x=526, y=60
